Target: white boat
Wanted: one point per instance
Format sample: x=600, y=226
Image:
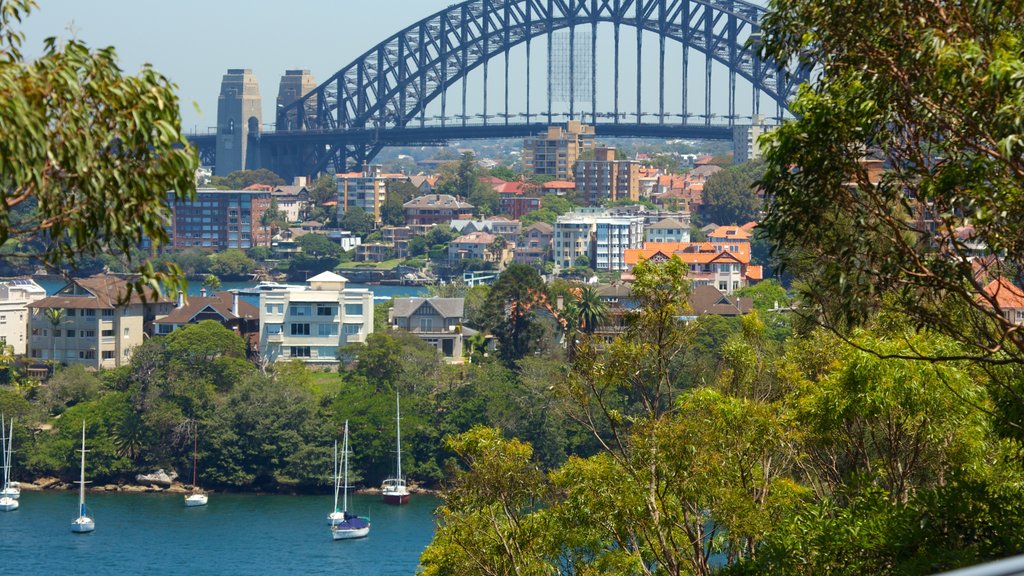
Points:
x=83, y=523
x=337, y=515
x=9, y=495
x=350, y=526
x=268, y=286
x=197, y=497
x=394, y=489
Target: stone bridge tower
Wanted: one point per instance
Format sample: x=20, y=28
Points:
x=239, y=121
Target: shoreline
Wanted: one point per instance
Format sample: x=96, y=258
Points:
x=57, y=485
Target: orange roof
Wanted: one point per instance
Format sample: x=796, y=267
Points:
x=755, y=273
x=259, y=187
x=689, y=252
x=730, y=232
x=517, y=188
x=559, y=185
x=1006, y=295
x=749, y=226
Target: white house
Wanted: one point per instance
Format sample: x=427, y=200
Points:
x=15, y=296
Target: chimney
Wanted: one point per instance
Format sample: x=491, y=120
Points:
x=181, y=299
x=202, y=292
x=560, y=302
x=234, y=302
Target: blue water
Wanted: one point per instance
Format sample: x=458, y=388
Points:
x=233, y=535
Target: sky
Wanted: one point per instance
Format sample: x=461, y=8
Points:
x=194, y=42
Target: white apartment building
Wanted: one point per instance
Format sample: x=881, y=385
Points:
x=309, y=323
x=600, y=236
x=15, y=296
x=667, y=230
x=367, y=189
x=613, y=235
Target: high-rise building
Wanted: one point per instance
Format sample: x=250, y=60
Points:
x=367, y=189
x=221, y=220
x=239, y=117
x=555, y=153
x=309, y=323
x=745, y=146
x=600, y=236
x=605, y=179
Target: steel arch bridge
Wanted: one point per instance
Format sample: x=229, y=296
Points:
x=382, y=98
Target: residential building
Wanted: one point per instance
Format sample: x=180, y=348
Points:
x=667, y=230
x=424, y=183
x=475, y=245
x=573, y=238
x=605, y=179
x=436, y=209
x=95, y=328
x=745, y=146
x=224, y=307
x=559, y=188
x=218, y=220
x=367, y=190
x=437, y=321
x=727, y=234
x=555, y=152
x=292, y=200
x=706, y=299
x=534, y=244
x=1008, y=298
x=374, y=252
x=15, y=297
x=613, y=235
x=309, y=323
x=507, y=229
x=725, y=266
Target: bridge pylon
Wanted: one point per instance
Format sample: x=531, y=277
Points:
x=239, y=122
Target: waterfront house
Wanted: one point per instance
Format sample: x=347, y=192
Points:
x=437, y=321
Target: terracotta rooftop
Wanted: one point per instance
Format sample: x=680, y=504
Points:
x=220, y=303
x=1006, y=295
x=96, y=292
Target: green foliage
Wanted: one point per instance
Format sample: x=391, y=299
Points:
x=511, y=311
x=357, y=221
x=115, y=131
x=504, y=172
x=231, y=264
x=730, y=197
x=392, y=213
x=242, y=179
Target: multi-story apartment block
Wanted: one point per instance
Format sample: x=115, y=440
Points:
x=309, y=323
x=573, y=237
x=367, y=190
x=90, y=324
x=221, y=220
x=605, y=179
x=475, y=245
x=555, y=153
x=15, y=297
x=533, y=244
x=745, y=145
x=436, y=209
x=600, y=236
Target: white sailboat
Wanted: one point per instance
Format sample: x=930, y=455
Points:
x=395, y=490
x=83, y=523
x=197, y=497
x=9, y=494
x=350, y=526
x=336, y=516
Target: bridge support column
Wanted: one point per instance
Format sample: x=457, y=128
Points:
x=239, y=122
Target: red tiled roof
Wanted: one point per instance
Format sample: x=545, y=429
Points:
x=1006, y=295
x=219, y=303
x=559, y=185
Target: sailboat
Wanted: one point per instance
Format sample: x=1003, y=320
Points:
x=197, y=497
x=350, y=526
x=394, y=489
x=9, y=495
x=83, y=523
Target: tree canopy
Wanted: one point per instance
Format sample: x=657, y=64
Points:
x=116, y=132
x=730, y=196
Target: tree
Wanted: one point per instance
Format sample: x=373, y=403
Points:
x=511, y=310
x=323, y=190
x=231, y=264
x=904, y=154
x=357, y=221
x=392, y=213
x=242, y=179
x=115, y=132
x=730, y=197
x=503, y=172
x=56, y=318
x=211, y=282
x=319, y=245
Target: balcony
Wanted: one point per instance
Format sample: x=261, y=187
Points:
x=275, y=338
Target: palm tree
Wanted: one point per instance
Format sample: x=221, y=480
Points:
x=590, y=309
x=56, y=316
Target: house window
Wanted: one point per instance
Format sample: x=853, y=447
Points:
x=273, y=328
x=71, y=312
x=71, y=333
x=56, y=333
x=88, y=333
x=161, y=329
x=300, y=351
x=3, y=319
x=324, y=310
x=108, y=312
x=87, y=354
x=426, y=324
x=328, y=329
x=110, y=333
x=351, y=329
x=270, y=308
x=301, y=310
x=300, y=329
x=327, y=352
x=36, y=331
x=89, y=312
x=353, y=309
x=108, y=354
x=126, y=332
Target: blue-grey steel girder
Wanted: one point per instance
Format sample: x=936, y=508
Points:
x=392, y=83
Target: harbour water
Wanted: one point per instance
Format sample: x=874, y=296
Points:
x=235, y=534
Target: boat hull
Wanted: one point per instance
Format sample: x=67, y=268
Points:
x=196, y=500
x=339, y=533
x=396, y=499
x=8, y=504
x=82, y=525
x=335, y=518
x=10, y=492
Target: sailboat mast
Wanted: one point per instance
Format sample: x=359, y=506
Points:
x=336, y=475
x=195, y=456
x=3, y=448
x=344, y=458
x=398, y=433
x=81, y=483
x=9, y=458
